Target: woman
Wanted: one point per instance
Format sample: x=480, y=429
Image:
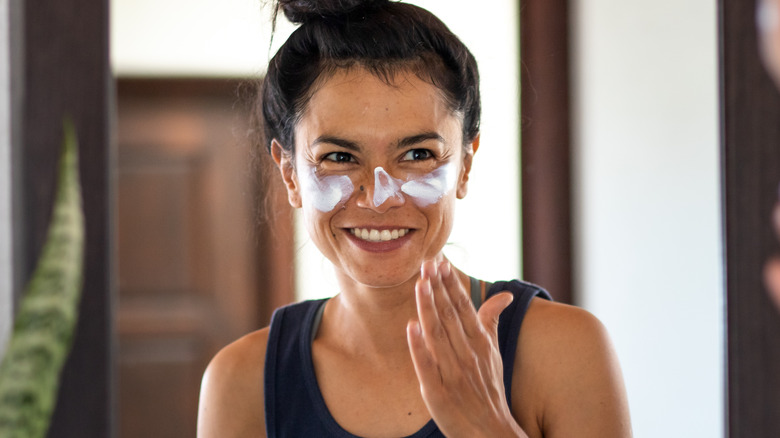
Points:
x=371, y=114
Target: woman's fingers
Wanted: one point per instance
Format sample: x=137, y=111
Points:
x=431, y=323
x=424, y=364
x=454, y=353
x=455, y=335
x=456, y=313
x=460, y=300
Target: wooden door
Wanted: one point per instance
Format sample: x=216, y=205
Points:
x=197, y=266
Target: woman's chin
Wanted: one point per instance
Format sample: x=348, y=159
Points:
x=383, y=280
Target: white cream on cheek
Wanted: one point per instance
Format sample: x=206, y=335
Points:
x=425, y=190
x=324, y=193
x=431, y=187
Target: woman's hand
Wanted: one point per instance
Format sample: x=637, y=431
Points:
x=456, y=357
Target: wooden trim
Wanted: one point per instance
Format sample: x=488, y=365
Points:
x=545, y=151
x=66, y=72
x=750, y=121
x=179, y=87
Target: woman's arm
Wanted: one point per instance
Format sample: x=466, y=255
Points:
x=231, y=394
x=567, y=380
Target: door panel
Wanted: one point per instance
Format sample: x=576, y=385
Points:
x=194, y=257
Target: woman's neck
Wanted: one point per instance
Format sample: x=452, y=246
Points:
x=367, y=320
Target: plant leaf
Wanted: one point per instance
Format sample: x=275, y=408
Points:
x=48, y=311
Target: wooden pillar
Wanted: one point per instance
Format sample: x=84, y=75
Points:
x=65, y=72
x=750, y=120
x=545, y=152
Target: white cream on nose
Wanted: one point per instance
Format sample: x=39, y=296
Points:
x=385, y=187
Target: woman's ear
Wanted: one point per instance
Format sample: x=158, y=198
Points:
x=284, y=161
x=468, y=158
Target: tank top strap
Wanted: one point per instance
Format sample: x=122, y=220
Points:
x=289, y=406
x=511, y=320
x=475, y=292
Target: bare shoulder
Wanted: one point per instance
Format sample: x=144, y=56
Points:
x=554, y=325
x=231, y=394
x=567, y=379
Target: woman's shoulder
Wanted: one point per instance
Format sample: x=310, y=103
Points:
x=567, y=372
x=231, y=398
x=558, y=322
x=243, y=354
x=561, y=338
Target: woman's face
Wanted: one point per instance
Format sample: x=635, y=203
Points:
x=377, y=169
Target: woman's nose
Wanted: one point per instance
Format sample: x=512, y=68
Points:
x=381, y=193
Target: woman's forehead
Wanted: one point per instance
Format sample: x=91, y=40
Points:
x=357, y=102
x=357, y=84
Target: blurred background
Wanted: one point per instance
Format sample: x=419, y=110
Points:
x=198, y=266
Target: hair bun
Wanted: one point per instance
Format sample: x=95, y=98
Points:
x=301, y=11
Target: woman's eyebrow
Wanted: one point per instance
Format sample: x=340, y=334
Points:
x=419, y=138
x=346, y=144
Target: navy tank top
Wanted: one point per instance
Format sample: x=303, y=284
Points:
x=294, y=406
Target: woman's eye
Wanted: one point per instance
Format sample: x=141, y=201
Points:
x=417, y=154
x=340, y=157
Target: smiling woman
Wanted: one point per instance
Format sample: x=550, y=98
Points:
x=371, y=112
x=359, y=127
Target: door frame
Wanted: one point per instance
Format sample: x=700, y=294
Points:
x=750, y=147
x=60, y=67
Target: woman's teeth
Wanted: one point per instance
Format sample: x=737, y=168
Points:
x=377, y=235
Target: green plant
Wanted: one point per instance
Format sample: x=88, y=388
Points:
x=48, y=311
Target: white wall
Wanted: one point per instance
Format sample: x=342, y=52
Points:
x=6, y=303
x=231, y=38
x=189, y=38
x=648, y=236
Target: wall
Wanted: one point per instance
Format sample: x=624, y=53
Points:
x=231, y=38
x=6, y=271
x=647, y=221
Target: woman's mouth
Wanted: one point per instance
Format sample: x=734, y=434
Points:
x=374, y=235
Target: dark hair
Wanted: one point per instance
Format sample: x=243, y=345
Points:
x=385, y=37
